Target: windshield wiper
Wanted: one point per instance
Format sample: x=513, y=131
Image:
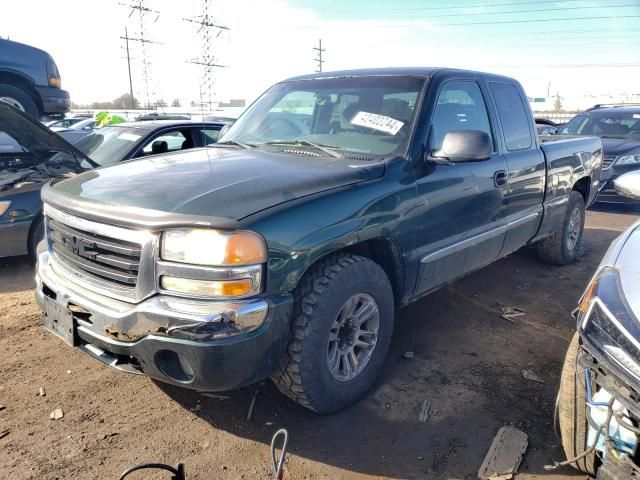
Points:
x=323, y=148
x=246, y=146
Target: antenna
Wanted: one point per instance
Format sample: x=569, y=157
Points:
x=207, y=28
x=319, y=59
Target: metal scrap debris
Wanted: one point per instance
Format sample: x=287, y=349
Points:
x=4, y=433
x=424, y=414
x=42, y=392
x=504, y=455
x=408, y=355
x=511, y=313
x=252, y=405
x=531, y=375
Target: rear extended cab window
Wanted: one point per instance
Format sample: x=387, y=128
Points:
x=513, y=116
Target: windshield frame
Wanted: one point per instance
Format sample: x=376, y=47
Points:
x=402, y=150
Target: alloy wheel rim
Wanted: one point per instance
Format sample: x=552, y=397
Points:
x=573, y=230
x=13, y=102
x=353, y=337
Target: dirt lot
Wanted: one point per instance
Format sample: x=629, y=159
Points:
x=468, y=362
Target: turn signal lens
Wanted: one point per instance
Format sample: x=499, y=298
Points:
x=213, y=247
x=4, y=206
x=207, y=288
x=585, y=302
x=55, y=82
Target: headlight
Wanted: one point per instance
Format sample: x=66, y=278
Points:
x=607, y=322
x=213, y=247
x=211, y=263
x=628, y=160
x=4, y=206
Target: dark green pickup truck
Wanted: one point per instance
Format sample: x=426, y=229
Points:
x=285, y=250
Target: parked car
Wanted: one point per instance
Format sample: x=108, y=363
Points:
x=63, y=124
x=544, y=126
x=124, y=141
x=28, y=160
x=30, y=80
x=153, y=116
x=30, y=155
x=284, y=250
x=619, y=128
x=598, y=407
x=78, y=130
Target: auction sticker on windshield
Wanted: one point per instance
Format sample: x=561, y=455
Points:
x=374, y=121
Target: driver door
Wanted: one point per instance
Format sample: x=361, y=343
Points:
x=461, y=227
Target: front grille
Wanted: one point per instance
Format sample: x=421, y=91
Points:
x=607, y=161
x=100, y=257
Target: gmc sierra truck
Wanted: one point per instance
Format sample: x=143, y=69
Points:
x=285, y=249
x=30, y=81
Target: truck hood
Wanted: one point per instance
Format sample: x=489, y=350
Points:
x=620, y=146
x=207, y=182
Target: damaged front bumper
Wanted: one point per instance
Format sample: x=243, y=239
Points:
x=201, y=345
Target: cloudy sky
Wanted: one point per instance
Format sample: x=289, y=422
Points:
x=580, y=47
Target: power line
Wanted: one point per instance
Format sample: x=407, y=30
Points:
x=531, y=11
x=465, y=6
x=493, y=22
x=538, y=21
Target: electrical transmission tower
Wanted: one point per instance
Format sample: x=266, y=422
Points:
x=208, y=30
x=143, y=14
x=319, y=59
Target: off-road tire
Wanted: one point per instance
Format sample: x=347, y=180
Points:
x=305, y=376
x=572, y=412
x=554, y=249
x=28, y=104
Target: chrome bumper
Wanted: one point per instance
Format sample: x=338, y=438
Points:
x=117, y=321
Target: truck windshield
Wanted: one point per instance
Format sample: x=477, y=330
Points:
x=369, y=115
x=605, y=124
x=108, y=145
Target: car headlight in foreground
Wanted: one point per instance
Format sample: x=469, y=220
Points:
x=607, y=322
x=211, y=263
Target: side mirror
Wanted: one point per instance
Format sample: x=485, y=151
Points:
x=463, y=146
x=628, y=185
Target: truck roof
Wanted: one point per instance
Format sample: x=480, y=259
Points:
x=394, y=71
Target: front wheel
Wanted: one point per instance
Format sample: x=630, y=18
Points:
x=571, y=411
x=561, y=248
x=341, y=333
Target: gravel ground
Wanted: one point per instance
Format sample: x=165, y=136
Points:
x=467, y=362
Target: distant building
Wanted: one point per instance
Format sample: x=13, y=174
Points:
x=234, y=102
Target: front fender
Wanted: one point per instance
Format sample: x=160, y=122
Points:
x=302, y=232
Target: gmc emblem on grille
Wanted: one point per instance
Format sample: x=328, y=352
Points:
x=76, y=245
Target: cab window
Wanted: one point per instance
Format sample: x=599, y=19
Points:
x=460, y=106
x=168, y=142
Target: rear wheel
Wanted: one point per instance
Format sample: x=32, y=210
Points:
x=341, y=333
x=19, y=99
x=572, y=411
x=561, y=248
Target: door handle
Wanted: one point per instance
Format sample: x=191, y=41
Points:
x=500, y=178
